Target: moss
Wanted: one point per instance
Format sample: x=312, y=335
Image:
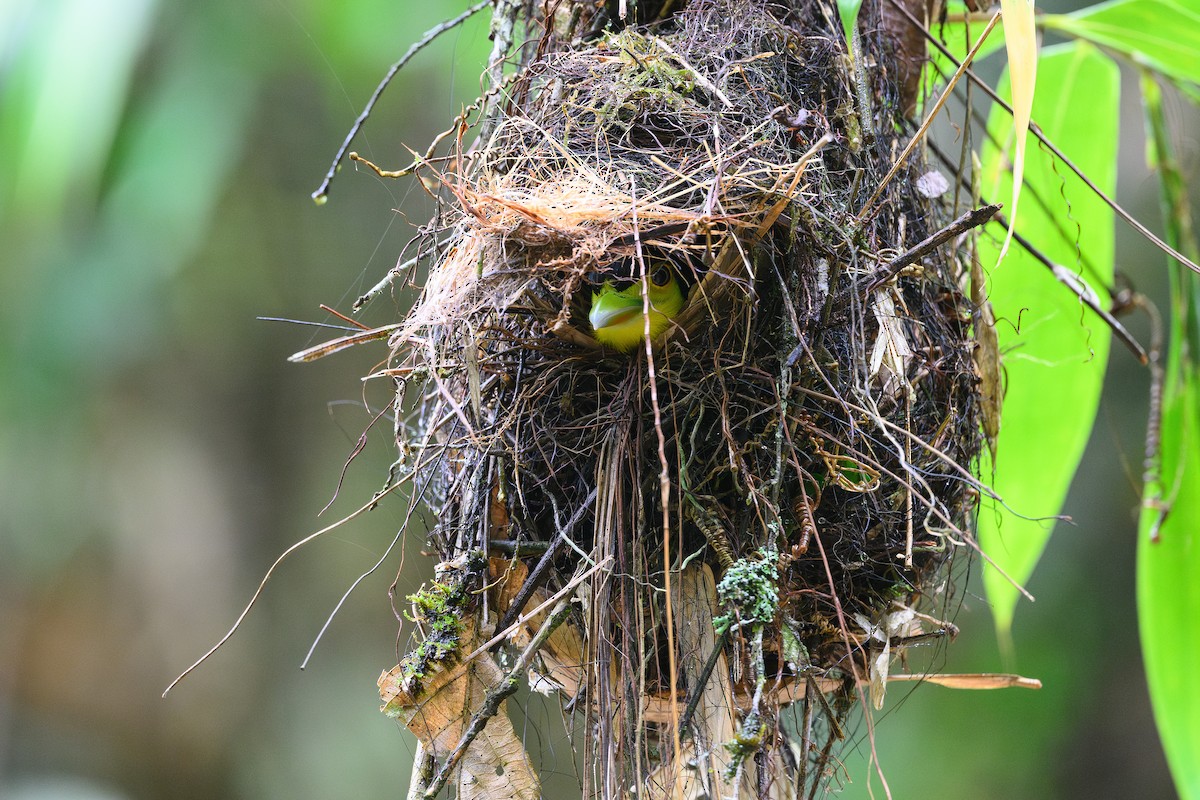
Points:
x=440, y=609
x=647, y=80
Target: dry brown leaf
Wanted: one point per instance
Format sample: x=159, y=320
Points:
x=986, y=357
x=562, y=655
x=974, y=680
x=495, y=763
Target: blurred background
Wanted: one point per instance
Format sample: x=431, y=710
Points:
x=157, y=452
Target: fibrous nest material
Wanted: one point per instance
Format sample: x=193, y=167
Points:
x=755, y=510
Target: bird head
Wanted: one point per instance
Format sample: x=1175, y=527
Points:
x=618, y=314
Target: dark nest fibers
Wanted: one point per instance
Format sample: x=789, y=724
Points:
x=752, y=511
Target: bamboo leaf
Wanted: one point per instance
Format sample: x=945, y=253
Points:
x=1055, y=352
x=1159, y=34
x=1168, y=591
x=1020, y=39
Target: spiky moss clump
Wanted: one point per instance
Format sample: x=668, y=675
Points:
x=439, y=609
x=802, y=405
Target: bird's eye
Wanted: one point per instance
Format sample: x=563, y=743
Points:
x=660, y=276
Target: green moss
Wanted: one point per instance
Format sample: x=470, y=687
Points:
x=650, y=78
x=440, y=609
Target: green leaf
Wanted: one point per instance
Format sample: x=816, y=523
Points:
x=61, y=103
x=1167, y=585
x=1159, y=34
x=959, y=37
x=848, y=11
x=1054, y=350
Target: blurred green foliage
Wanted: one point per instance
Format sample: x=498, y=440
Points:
x=157, y=452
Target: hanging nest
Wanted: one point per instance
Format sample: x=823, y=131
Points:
x=754, y=510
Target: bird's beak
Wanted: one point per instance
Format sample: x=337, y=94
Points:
x=610, y=308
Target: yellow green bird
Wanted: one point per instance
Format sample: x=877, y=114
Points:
x=616, y=311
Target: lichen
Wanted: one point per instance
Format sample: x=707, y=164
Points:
x=749, y=591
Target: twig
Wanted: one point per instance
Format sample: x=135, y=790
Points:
x=862, y=89
x=491, y=703
x=307, y=322
x=423, y=252
x=344, y=318
x=422, y=771
x=542, y=569
x=501, y=634
x=342, y=343
x=384, y=283
x=504, y=21
x=521, y=549
x=322, y=192
x=1084, y=292
x=664, y=484
x=701, y=681
x=966, y=222
x=457, y=127
x=704, y=82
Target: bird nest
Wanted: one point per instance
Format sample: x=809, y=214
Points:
x=756, y=508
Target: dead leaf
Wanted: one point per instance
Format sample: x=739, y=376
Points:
x=495, y=763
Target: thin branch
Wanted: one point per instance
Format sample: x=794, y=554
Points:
x=542, y=570
x=704, y=82
x=701, y=681
x=547, y=603
x=504, y=21
x=387, y=280
x=1084, y=292
x=422, y=772
x=342, y=343
x=322, y=192
x=966, y=222
x=929, y=118
x=1064, y=276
